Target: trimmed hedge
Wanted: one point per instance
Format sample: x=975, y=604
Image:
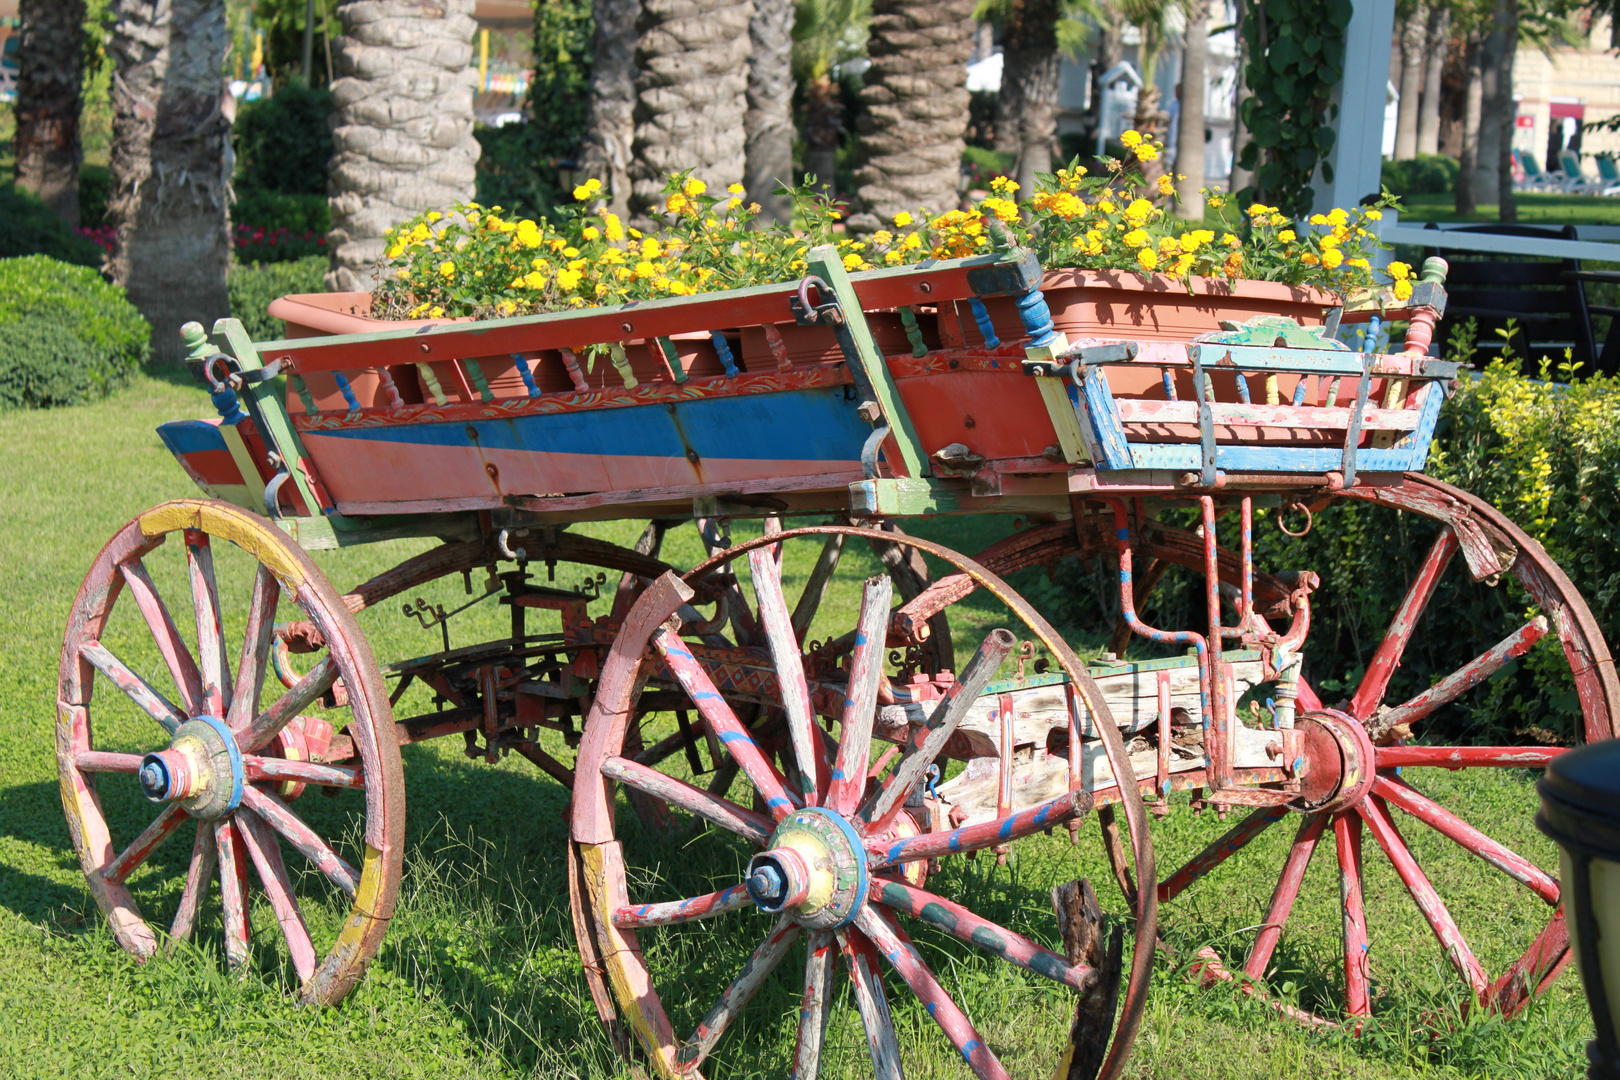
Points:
x=1426, y=174
x=28, y=227
x=74, y=299
x=43, y=365
x=253, y=287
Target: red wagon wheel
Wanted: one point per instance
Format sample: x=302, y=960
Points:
x=1371, y=761
x=825, y=855
x=209, y=760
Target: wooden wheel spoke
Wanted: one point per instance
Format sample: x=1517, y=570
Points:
x=1347, y=841
x=102, y=761
x=1467, y=677
x=736, y=995
x=265, y=725
x=671, y=912
x=1052, y=812
x=1469, y=838
x=1455, y=946
x=952, y=709
x=866, y=986
x=860, y=702
x=137, y=689
x=232, y=890
x=158, y=620
x=815, y=587
x=1282, y=898
x=1231, y=842
x=898, y=950
x=737, y=740
x=1533, y=972
x=265, y=851
x=694, y=800
x=150, y=839
x=1388, y=657
x=256, y=769
x=954, y=919
x=255, y=658
x=789, y=663
x=1458, y=757
x=301, y=836
x=821, y=953
x=215, y=666
x=204, y=858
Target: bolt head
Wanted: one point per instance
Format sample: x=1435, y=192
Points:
x=154, y=779
x=766, y=886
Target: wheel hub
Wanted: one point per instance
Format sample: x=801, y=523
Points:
x=1339, y=762
x=201, y=769
x=813, y=867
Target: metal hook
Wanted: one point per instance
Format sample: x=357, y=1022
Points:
x=502, y=545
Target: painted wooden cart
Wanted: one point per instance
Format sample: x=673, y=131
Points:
x=1140, y=422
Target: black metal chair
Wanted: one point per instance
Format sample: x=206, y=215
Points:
x=1541, y=296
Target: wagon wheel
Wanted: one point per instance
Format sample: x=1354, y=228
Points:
x=1370, y=757
x=214, y=762
x=833, y=867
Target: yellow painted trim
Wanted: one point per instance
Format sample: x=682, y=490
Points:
x=1055, y=395
x=615, y=947
x=259, y=539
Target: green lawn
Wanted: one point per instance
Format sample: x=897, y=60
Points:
x=478, y=977
x=1534, y=208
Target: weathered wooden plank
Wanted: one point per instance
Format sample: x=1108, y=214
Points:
x=1311, y=417
x=860, y=704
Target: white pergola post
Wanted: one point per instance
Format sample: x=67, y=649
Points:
x=1357, y=152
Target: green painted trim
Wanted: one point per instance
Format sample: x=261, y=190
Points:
x=274, y=410
x=1101, y=668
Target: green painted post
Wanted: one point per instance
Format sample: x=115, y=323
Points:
x=280, y=435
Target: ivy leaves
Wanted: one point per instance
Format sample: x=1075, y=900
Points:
x=1295, y=59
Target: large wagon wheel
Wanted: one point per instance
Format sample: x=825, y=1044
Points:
x=1369, y=758
x=828, y=854
x=214, y=762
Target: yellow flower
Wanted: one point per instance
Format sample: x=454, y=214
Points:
x=1168, y=246
x=588, y=189
x=1310, y=259
x=1278, y=219
x=1403, y=289
x=528, y=234
x=591, y=232
x=1138, y=212
x=1332, y=258
x=534, y=279
x=1261, y=210
x=912, y=241
x=1003, y=185
x=1184, y=264
x=1359, y=264
x=615, y=227
x=570, y=252
x=579, y=264
x=1231, y=240
x=650, y=248
x=893, y=257
x=1234, y=264
x=1375, y=215
x=902, y=219
x=506, y=307
x=420, y=233
x=1135, y=238
x=1319, y=219
x=1167, y=184
x=1337, y=216
x=1131, y=138
x=882, y=237
x=693, y=188
x=436, y=313
x=676, y=203
x=1147, y=152
x=1003, y=209
x=447, y=268
x=1286, y=236
x=851, y=261
x=568, y=280
x=645, y=269
x=396, y=251
x=1148, y=258
x=1399, y=271
x=434, y=215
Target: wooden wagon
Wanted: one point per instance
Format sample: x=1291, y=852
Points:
x=1136, y=421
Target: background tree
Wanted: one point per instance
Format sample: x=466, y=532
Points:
x=691, y=84
x=1437, y=32
x=168, y=162
x=50, y=74
x=284, y=24
x=403, y=140
x=610, y=118
x=826, y=33
x=1189, y=162
x=768, y=123
x=1034, y=34
x=916, y=108
x=1411, y=25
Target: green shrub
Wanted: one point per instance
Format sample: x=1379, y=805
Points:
x=253, y=287
x=283, y=142
x=297, y=212
x=27, y=227
x=1426, y=174
x=76, y=299
x=42, y=365
x=95, y=186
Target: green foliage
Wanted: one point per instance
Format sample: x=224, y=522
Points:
x=42, y=365
x=28, y=227
x=253, y=287
x=298, y=212
x=1296, y=59
x=283, y=142
x=1426, y=174
x=95, y=185
x=985, y=164
x=76, y=300
x=282, y=22
x=511, y=173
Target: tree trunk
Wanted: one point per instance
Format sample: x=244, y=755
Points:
x=917, y=108
x=1241, y=178
x=691, y=90
x=610, y=124
x=768, y=123
x=823, y=127
x=1507, y=21
x=1150, y=120
x=1030, y=70
x=1190, y=133
x=168, y=154
x=402, y=142
x=50, y=72
x=1473, y=106
x=1494, y=98
x=1110, y=50
x=1437, y=32
x=1413, y=30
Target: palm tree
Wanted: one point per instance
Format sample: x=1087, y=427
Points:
x=691, y=88
x=610, y=124
x=168, y=162
x=1412, y=22
x=1033, y=34
x=50, y=73
x=826, y=33
x=1189, y=163
x=768, y=123
x=917, y=108
x=403, y=140
x=1438, y=34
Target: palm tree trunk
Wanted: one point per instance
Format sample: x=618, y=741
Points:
x=610, y=124
x=1495, y=96
x=768, y=123
x=1507, y=22
x=1473, y=108
x=1438, y=31
x=403, y=140
x=1241, y=178
x=691, y=94
x=1190, y=134
x=1150, y=120
x=169, y=179
x=1413, y=30
x=50, y=73
x=917, y=108
x=1030, y=71
x=823, y=127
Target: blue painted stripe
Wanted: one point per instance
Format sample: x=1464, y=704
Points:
x=191, y=436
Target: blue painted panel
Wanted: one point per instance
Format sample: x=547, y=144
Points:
x=191, y=436
x=1186, y=457
x=1255, y=358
